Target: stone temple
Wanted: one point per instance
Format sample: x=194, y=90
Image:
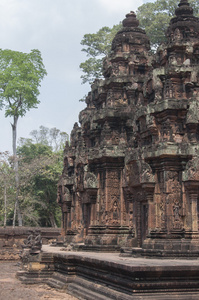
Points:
x=131, y=170
x=131, y=176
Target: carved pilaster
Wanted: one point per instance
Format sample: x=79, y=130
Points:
x=192, y=188
x=149, y=191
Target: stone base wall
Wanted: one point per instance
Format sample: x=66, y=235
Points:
x=11, y=239
x=105, y=277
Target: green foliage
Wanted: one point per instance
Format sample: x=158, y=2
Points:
x=40, y=169
x=29, y=151
x=7, y=188
x=20, y=77
x=39, y=166
x=99, y=43
x=96, y=46
x=92, y=68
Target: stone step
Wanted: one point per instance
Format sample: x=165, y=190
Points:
x=27, y=280
x=104, y=293
x=32, y=277
x=85, y=293
x=89, y=290
x=97, y=248
x=55, y=283
x=165, y=296
x=99, y=291
x=58, y=280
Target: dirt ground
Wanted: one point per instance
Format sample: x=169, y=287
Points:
x=12, y=289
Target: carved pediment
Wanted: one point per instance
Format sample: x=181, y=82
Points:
x=90, y=181
x=191, y=171
x=137, y=173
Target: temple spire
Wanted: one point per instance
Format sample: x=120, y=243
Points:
x=184, y=9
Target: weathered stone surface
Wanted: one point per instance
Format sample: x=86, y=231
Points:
x=130, y=173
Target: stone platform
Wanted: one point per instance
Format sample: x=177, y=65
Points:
x=110, y=276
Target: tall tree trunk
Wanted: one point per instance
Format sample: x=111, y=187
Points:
x=5, y=205
x=16, y=169
x=52, y=220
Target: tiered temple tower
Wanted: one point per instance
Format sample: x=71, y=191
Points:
x=131, y=171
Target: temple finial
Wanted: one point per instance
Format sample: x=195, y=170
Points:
x=184, y=9
x=130, y=20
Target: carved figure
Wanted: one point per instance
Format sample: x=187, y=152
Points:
x=27, y=243
x=33, y=242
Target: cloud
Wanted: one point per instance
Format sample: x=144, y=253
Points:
x=115, y=6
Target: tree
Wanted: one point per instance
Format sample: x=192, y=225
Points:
x=20, y=77
x=96, y=46
x=154, y=17
x=40, y=169
x=40, y=165
x=52, y=137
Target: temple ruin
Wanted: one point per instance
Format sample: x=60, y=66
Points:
x=131, y=170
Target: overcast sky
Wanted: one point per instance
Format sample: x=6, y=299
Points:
x=55, y=27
